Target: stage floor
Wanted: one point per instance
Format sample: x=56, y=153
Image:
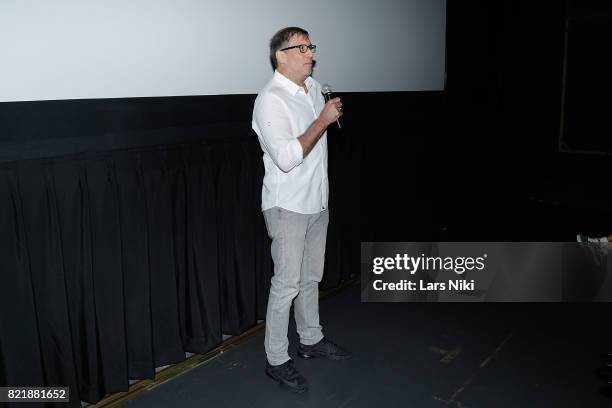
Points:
x=418, y=355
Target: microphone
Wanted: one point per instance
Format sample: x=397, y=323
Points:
x=326, y=90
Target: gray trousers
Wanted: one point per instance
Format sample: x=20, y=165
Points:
x=298, y=252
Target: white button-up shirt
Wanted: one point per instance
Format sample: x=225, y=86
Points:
x=282, y=113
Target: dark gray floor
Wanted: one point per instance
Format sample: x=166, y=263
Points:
x=418, y=355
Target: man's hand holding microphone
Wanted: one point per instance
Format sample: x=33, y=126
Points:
x=332, y=112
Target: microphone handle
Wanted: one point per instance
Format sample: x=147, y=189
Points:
x=327, y=97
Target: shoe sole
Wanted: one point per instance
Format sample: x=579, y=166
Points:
x=331, y=357
x=285, y=386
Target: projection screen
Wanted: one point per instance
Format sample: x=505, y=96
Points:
x=78, y=49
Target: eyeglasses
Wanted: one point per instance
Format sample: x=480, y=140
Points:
x=303, y=48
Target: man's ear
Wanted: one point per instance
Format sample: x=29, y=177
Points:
x=281, y=57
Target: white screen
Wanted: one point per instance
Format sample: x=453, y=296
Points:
x=73, y=49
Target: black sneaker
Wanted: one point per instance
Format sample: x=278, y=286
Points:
x=287, y=376
x=324, y=348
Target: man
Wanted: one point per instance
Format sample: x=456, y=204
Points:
x=290, y=118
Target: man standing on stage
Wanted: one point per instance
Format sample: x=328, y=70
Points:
x=290, y=118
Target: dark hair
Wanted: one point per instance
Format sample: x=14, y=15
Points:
x=281, y=40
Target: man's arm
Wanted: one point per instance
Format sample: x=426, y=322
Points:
x=330, y=113
x=271, y=122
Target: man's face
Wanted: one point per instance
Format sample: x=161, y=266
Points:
x=296, y=63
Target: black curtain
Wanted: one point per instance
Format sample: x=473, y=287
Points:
x=114, y=263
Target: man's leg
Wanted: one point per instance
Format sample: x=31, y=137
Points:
x=312, y=342
x=287, y=230
x=306, y=307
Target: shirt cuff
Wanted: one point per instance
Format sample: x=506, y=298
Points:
x=296, y=152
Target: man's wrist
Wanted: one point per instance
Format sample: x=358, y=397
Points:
x=321, y=125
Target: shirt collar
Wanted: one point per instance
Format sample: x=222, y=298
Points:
x=291, y=86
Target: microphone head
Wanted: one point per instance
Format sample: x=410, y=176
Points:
x=326, y=89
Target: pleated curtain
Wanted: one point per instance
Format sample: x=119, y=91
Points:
x=112, y=264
